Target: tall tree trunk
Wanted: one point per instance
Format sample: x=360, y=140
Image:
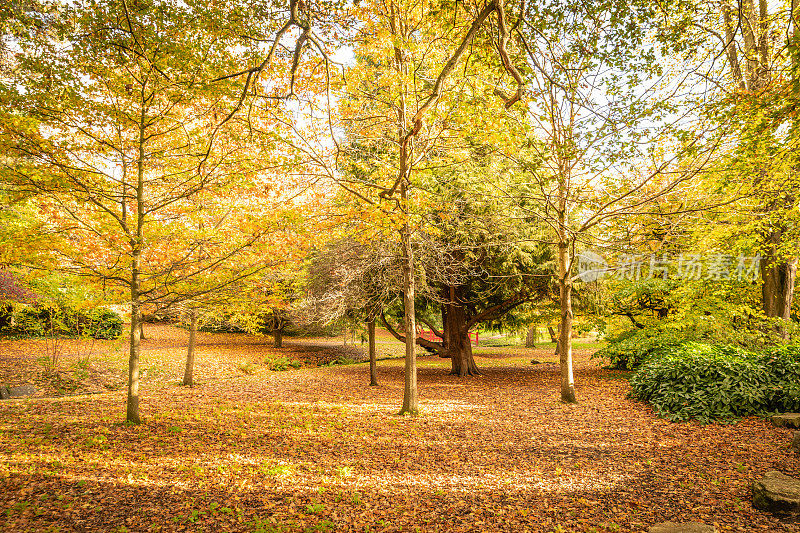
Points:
x=564, y=347
x=777, y=274
x=410, y=397
x=373, y=374
x=136, y=243
x=565, y=330
x=132, y=406
x=405, y=137
x=459, y=347
x=187, y=374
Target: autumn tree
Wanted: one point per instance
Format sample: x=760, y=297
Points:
x=402, y=81
x=477, y=268
x=595, y=114
x=147, y=174
x=754, y=96
x=353, y=276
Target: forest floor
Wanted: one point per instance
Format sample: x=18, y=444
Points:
x=316, y=449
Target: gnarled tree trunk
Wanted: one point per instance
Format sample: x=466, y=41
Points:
x=456, y=330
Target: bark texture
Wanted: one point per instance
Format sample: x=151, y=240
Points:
x=132, y=406
x=457, y=344
x=532, y=336
x=410, y=395
x=777, y=290
x=373, y=371
x=188, y=379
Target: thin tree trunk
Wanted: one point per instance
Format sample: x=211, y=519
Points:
x=564, y=346
x=410, y=397
x=136, y=241
x=565, y=329
x=132, y=407
x=373, y=370
x=187, y=374
x=554, y=337
x=405, y=138
x=141, y=330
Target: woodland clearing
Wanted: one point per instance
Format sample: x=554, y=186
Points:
x=317, y=449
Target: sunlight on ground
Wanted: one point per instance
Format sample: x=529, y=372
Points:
x=317, y=449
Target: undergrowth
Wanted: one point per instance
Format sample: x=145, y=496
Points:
x=709, y=382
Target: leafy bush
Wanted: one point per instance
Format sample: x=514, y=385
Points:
x=99, y=323
x=283, y=363
x=39, y=320
x=783, y=364
x=644, y=315
x=632, y=348
x=6, y=317
x=341, y=360
x=51, y=319
x=710, y=382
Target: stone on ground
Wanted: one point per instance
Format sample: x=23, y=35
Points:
x=790, y=420
x=686, y=527
x=777, y=493
x=22, y=391
x=796, y=441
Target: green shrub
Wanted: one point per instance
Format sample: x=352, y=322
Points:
x=632, y=348
x=6, y=317
x=51, y=319
x=100, y=323
x=783, y=364
x=341, y=360
x=39, y=320
x=709, y=382
x=283, y=363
